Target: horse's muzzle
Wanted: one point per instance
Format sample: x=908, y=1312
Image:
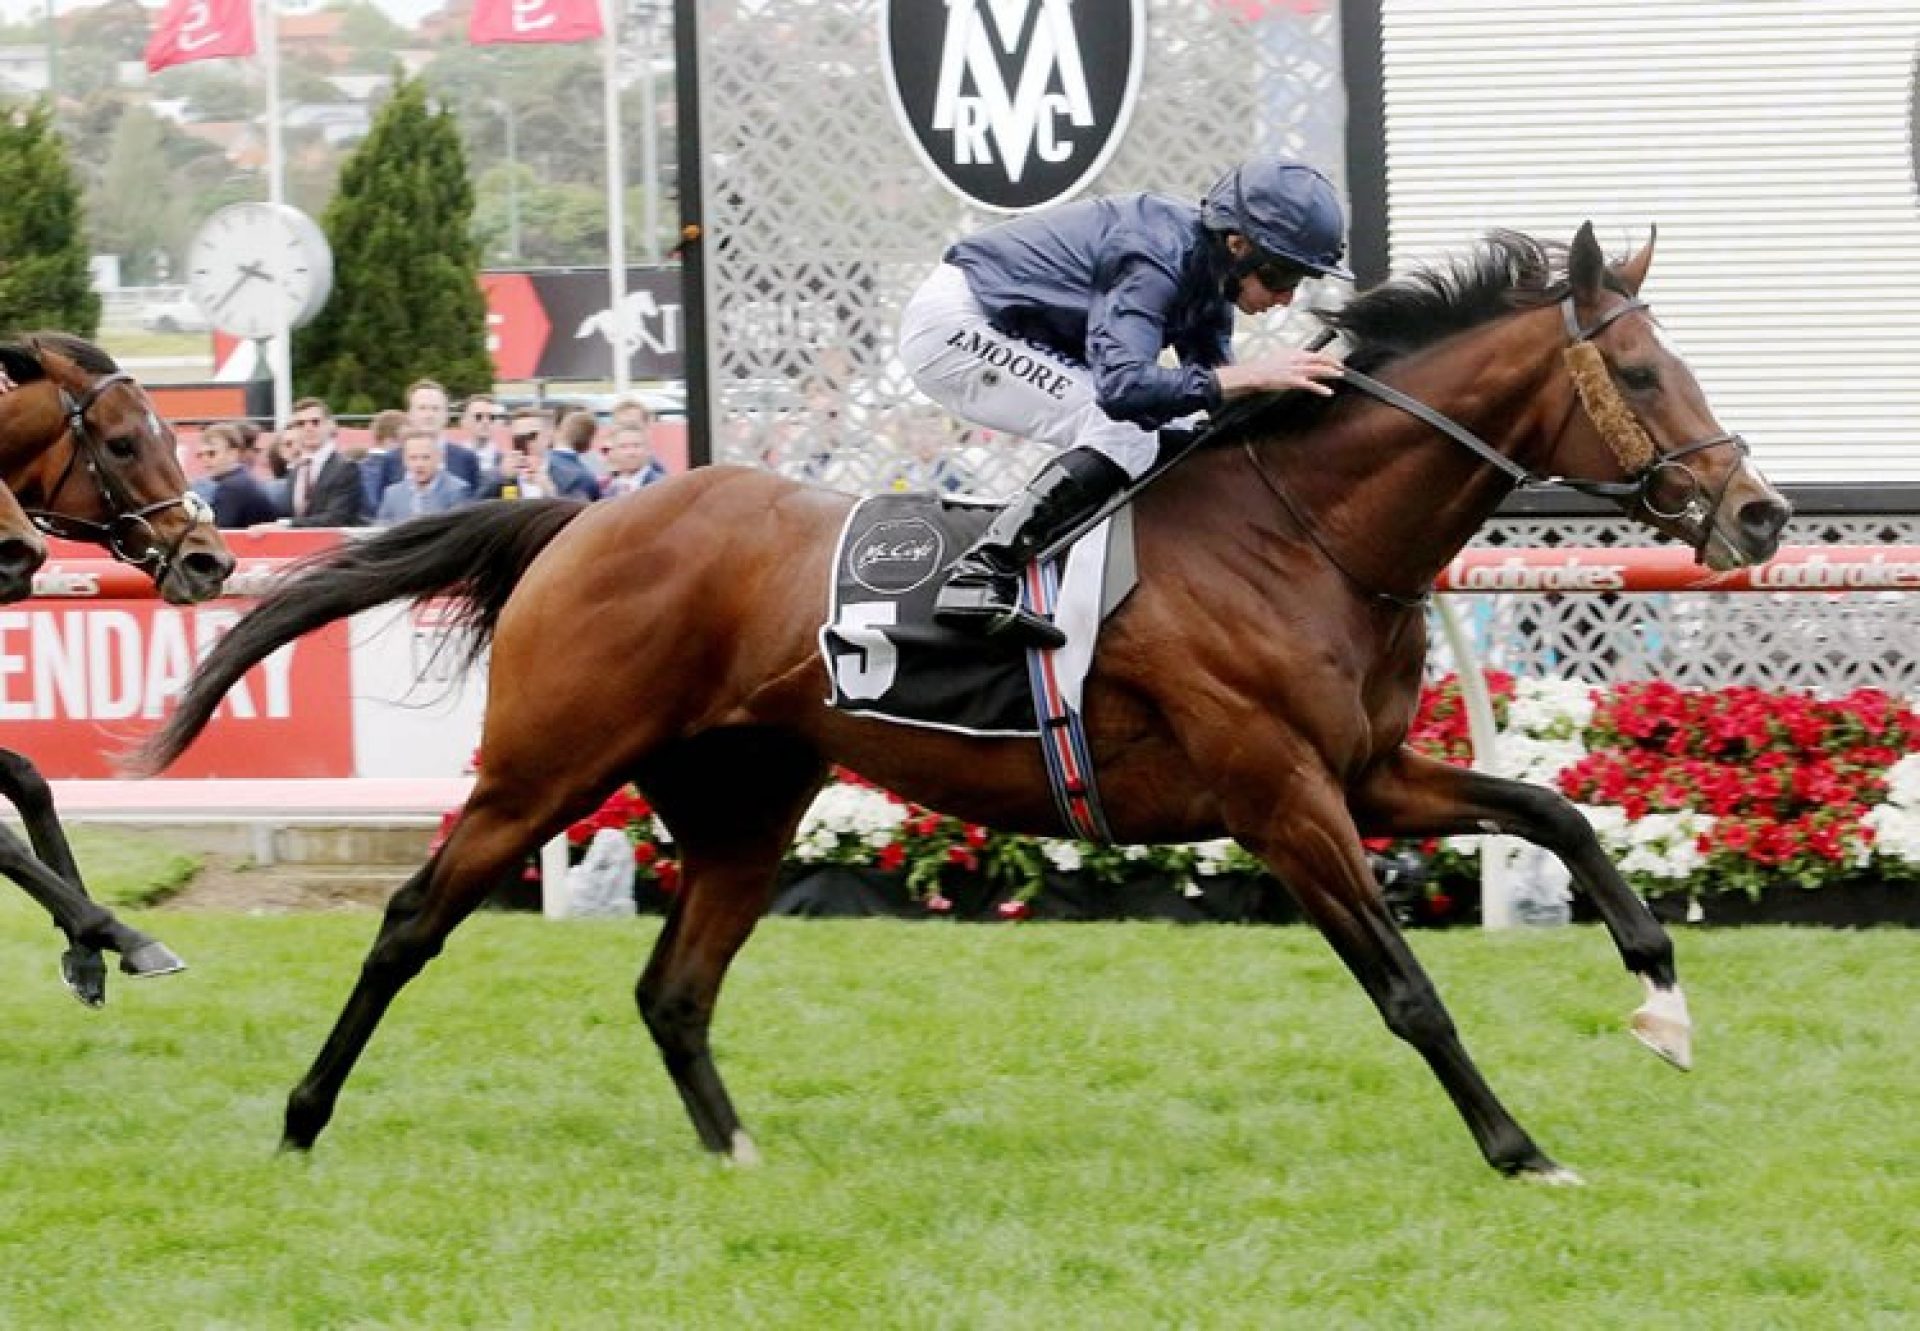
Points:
x=196, y=576
x=1760, y=523
x=20, y=559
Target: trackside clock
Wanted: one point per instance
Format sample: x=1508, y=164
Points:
x=251, y=265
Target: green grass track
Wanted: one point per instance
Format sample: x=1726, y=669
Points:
x=964, y=1126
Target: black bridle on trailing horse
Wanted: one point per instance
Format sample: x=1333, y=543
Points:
x=128, y=534
x=1611, y=416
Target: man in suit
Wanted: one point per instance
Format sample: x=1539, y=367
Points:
x=427, y=487
x=238, y=500
x=324, y=488
x=427, y=410
x=565, y=463
x=631, y=461
x=481, y=422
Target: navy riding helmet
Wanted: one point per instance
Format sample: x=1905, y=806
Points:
x=1286, y=208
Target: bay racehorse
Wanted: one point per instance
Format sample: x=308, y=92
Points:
x=85, y=456
x=1260, y=680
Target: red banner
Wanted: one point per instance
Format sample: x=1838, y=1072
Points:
x=79, y=683
x=533, y=21
x=92, y=665
x=188, y=30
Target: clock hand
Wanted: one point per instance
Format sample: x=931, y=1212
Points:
x=247, y=273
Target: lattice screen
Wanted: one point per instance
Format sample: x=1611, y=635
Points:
x=821, y=221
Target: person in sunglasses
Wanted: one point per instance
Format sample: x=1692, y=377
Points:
x=481, y=423
x=1051, y=327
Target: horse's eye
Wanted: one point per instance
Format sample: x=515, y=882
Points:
x=1639, y=378
x=123, y=447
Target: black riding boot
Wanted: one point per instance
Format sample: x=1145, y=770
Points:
x=982, y=592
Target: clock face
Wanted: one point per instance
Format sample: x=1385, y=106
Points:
x=257, y=267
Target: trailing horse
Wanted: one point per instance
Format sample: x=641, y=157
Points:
x=1260, y=680
x=117, y=484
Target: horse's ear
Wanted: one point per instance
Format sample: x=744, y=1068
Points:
x=1634, y=271
x=1586, y=264
x=18, y=365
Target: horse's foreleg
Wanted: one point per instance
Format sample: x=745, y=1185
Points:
x=1304, y=835
x=1414, y=796
x=485, y=844
x=732, y=801
x=55, y=884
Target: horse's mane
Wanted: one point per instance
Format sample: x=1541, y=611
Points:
x=1504, y=272
x=21, y=355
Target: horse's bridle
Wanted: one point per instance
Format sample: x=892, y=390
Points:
x=128, y=534
x=1636, y=489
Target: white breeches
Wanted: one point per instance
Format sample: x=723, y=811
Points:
x=980, y=374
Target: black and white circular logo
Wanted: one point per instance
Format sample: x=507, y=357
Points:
x=895, y=556
x=1014, y=104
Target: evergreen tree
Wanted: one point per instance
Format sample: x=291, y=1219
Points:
x=44, y=280
x=406, y=293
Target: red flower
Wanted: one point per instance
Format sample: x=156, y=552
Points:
x=1013, y=910
x=891, y=856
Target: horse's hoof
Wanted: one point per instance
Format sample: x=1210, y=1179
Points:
x=150, y=959
x=743, y=1154
x=1553, y=1176
x=1663, y=1025
x=84, y=972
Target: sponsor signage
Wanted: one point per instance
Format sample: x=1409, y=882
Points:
x=559, y=325
x=94, y=662
x=895, y=556
x=1013, y=104
x=1836, y=568
x=79, y=683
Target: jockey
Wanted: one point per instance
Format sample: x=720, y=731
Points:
x=1051, y=327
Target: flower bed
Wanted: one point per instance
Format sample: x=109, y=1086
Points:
x=1704, y=793
x=1698, y=795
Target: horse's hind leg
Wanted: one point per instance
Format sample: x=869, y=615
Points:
x=49, y=875
x=1304, y=834
x=499, y=828
x=732, y=800
x=1412, y=795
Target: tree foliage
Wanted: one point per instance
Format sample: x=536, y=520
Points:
x=44, y=280
x=406, y=295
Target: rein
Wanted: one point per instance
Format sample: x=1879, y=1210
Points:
x=128, y=534
x=1604, y=406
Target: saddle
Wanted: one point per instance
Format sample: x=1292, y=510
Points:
x=887, y=659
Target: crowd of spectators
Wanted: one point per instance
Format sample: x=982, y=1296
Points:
x=414, y=460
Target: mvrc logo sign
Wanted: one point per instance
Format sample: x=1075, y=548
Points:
x=1014, y=104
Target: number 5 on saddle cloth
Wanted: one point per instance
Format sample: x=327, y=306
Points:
x=887, y=659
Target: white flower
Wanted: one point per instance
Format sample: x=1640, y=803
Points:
x=1665, y=845
x=1903, y=783
x=1062, y=855
x=1540, y=761
x=1896, y=831
x=844, y=817
x=1550, y=708
x=1215, y=857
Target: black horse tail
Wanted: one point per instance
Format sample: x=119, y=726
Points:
x=473, y=556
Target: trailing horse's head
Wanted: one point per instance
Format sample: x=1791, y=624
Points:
x=1646, y=433
x=22, y=550
x=89, y=458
